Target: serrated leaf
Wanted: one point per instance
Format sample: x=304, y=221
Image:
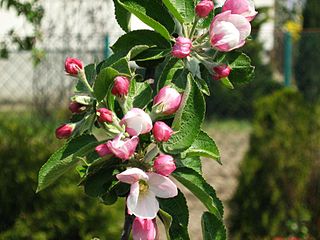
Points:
x=104, y=82
x=189, y=162
x=65, y=159
x=177, y=208
x=122, y=15
x=204, y=146
x=152, y=13
x=201, y=189
x=242, y=70
x=188, y=119
x=212, y=228
x=182, y=10
x=203, y=86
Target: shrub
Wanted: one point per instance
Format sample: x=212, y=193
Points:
x=271, y=199
x=60, y=213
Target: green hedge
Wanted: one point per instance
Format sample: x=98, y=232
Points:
x=273, y=197
x=61, y=212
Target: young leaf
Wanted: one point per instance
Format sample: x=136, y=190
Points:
x=152, y=13
x=91, y=74
x=177, y=208
x=212, y=227
x=182, y=10
x=65, y=159
x=188, y=119
x=204, y=146
x=201, y=189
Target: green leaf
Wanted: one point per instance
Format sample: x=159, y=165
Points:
x=90, y=71
x=212, y=228
x=204, y=146
x=205, y=22
x=122, y=16
x=182, y=10
x=98, y=184
x=167, y=73
x=242, y=70
x=226, y=82
x=166, y=219
x=189, y=162
x=188, y=119
x=177, y=208
x=104, y=82
x=152, y=13
x=201, y=189
x=65, y=159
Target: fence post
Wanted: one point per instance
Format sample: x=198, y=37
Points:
x=106, y=49
x=287, y=59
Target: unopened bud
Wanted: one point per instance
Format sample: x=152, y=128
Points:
x=73, y=66
x=120, y=86
x=164, y=164
x=161, y=131
x=182, y=47
x=204, y=8
x=105, y=115
x=65, y=130
x=221, y=71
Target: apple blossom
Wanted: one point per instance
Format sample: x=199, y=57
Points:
x=65, y=130
x=76, y=107
x=164, y=164
x=221, y=71
x=73, y=66
x=121, y=86
x=137, y=122
x=204, y=8
x=144, y=229
x=105, y=115
x=103, y=150
x=242, y=7
x=123, y=149
x=167, y=101
x=182, y=47
x=161, y=131
x=229, y=31
x=145, y=188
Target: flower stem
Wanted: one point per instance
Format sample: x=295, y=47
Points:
x=196, y=20
x=127, y=225
x=202, y=37
x=83, y=79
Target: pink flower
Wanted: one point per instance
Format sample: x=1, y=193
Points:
x=164, y=164
x=105, y=115
x=103, y=150
x=137, y=122
x=145, y=188
x=121, y=86
x=204, y=8
x=221, y=71
x=77, y=108
x=73, y=66
x=167, y=101
x=182, y=47
x=65, y=130
x=123, y=149
x=229, y=31
x=241, y=7
x=144, y=229
x=161, y=131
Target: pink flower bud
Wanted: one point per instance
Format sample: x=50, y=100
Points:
x=182, y=47
x=77, y=108
x=204, y=8
x=105, y=115
x=242, y=7
x=120, y=86
x=161, y=131
x=137, y=122
x=144, y=229
x=229, y=31
x=167, y=101
x=103, y=150
x=65, y=130
x=123, y=149
x=221, y=71
x=164, y=165
x=73, y=66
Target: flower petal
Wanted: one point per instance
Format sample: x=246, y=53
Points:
x=147, y=206
x=133, y=197
x=162, y=186
x=132, y=175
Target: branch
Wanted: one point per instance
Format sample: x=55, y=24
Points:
x=127, y=225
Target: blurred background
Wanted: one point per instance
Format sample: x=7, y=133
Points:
x=268, y=131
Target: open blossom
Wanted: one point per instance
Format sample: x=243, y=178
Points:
x=167, y=101
x=221, y=71
x=144, y=229
x=164, y=164
x=137, y=122
x=204, y=8
x=73, y=66
x=121, y=86
x=123, y=149
x=182, y=47
x=145, y=187
x=105, y=115
x=242, y=7
x=103, y=150
x=161, y=131
x=229, y=31
x=65, y=130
